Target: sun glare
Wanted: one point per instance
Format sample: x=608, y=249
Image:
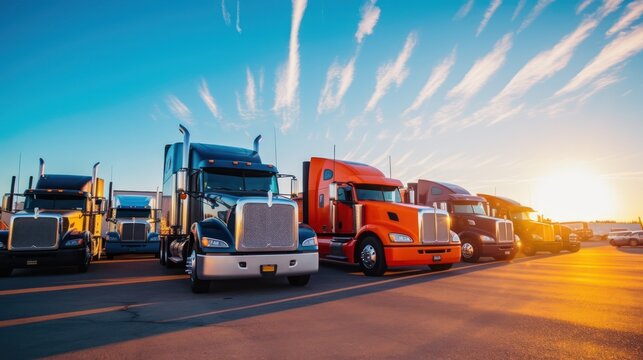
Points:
x=573, y=194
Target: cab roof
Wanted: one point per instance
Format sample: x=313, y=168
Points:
x=357, y=173
x=133, y=201
x=65, y=182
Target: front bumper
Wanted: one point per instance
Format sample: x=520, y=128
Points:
x=224, y=266
x=49, y=258
x=498, y=250
x=131, y=247
x=421, y=255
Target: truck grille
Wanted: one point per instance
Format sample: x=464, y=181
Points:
x=548, y=233
x=265, y=228
x=133, y=232
x=504, y=231
x=434, y=227
x=28, y=233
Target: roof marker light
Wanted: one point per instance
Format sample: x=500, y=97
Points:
x=235, y=163
x=248, y=163
x=211, y=161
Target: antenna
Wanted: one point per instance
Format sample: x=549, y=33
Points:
x=19, y=168
x=390, y=167
x=334, y=146
x=274, y=131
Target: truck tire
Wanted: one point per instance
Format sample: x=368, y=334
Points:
x=574, y=248
x=84, y=266
x=197, y=285
x=440, y=267
x=371, y=257
x=162, y=252
x=528, y=250
x=470, y=251
x=5, y=272
x=301, y=280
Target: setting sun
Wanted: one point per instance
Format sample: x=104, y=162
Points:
x=574, y=194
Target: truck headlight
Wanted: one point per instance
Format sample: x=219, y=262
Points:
x=454, y=237
x=74, y=242
x=213, y=243
x=400, y=238
x=310, y=241
x=485, y=238
x=516, y=238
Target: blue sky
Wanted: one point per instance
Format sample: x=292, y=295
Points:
x=497, y=96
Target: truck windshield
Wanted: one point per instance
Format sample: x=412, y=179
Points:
x=53, y=202
x=525, y=216
x=133, y=213
x=238, y=180
x=469, y=208
x=378, y=193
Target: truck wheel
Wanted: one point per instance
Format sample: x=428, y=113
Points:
x=371, y=257
x=300, y=280
x=528, y=250
x=84, y=266
x=633, y=242
x=574, y=248
x=440, y=267
x=162, y=253
x=197, y=285
x=470, y=251
x=5, y=272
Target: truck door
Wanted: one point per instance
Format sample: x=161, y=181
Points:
x=344, y=220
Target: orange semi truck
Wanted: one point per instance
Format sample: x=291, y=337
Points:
x=359, y=217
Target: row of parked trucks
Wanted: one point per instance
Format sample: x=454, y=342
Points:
x=220, y=215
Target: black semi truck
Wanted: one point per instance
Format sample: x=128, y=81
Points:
x=223, y=218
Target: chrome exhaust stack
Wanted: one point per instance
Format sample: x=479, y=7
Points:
x=182, y=183
x=42, y=168
x=255, y=144
x=94, y=179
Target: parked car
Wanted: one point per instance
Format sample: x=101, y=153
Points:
x=620, y=238
x=633, y=238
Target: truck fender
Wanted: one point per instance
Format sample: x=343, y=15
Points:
x=472, y=235
x=152, y=235
x=305, y=232
x=72, y=234
x=214, y=228
x=378, y=231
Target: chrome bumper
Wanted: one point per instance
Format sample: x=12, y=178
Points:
x=213, y=267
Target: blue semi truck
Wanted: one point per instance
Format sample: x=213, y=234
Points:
x=132, y=226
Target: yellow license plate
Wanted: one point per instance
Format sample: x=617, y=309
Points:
x=268, y=268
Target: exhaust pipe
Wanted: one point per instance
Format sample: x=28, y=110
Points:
x=182, y=182
x=42, y=167
x=255, y=144
x=94, y=178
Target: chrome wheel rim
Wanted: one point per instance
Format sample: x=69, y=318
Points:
x=191, y=265
x=369, y=256
x=467, y=250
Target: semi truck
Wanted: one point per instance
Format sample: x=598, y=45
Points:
x=132, y=226
x=535, y=235
x=359, y=217
x=60, y=224
x=481, y=235
x=224, y=218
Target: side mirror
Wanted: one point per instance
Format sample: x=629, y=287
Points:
x=294, y=187
x=332, y=191
x=6, y=199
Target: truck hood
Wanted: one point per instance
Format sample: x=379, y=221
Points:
x=483, y=223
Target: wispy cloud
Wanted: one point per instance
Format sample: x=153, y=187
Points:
x=238, y=23
x=619, y=50
x=541, y=67
x=338, y=80
x=370, y=16
x=248, y=112
x=208, y=99
x=482, y=69
x=583, y=5
x=479, y=74
x=609, y=6
x=633, y=11
x=225, y=13
x=286, y=89
x=535, y=12
x=178, y=109
x=464, y=10
x=493, y=6
x=435, y=80
x=393, y=72
x=518, y=10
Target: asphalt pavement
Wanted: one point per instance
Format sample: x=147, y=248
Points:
x=583, y=305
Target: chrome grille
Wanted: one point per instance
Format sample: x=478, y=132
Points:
x=434, y=227
x=548, y=233
x=28, y=233
x=267, y=228
x=133, y=232
x=504, y=231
